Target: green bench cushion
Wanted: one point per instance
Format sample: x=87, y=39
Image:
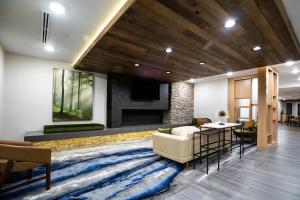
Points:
x=165, y=130
x=72, y=128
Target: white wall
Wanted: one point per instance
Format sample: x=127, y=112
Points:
x=210, y=97
x=28, y=95
x=2, y=56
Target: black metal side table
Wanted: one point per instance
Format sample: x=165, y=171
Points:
x=220, y=130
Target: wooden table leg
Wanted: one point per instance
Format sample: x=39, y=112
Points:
x=29, y=174
x=48, y=177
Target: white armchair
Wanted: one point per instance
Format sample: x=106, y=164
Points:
x=178, y=146
x=174, y=147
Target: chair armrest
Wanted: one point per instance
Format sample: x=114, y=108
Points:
x=9, y=142
x=172, y=144
x=25, y=154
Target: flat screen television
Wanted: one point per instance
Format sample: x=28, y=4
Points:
x=145, y=90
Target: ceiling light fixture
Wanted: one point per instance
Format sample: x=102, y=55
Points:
x=136, y=65
x=168, y=72
x=169, y=50
x=256, y=48
x=192, y=80
x=230, y=23
x=202, y=63
x=49, y=48
x=57, y=8
x=299, y=79
x=229, y=73
x=295, y=71
x=289, y=63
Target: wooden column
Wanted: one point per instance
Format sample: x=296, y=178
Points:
x=267, y=107
x=231, y=100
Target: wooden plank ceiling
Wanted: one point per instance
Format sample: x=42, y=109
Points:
x=195, y=30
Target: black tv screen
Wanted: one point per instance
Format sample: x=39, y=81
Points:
x=145, y=90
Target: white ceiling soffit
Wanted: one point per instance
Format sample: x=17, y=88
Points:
x=286, y=76
x=69, y=33
x=292, y=8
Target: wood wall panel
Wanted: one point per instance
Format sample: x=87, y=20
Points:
x=243, y=89
x=236, y=87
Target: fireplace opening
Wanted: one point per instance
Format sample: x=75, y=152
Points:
x=139, y=117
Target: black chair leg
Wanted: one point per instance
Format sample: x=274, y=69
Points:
x=29, y=174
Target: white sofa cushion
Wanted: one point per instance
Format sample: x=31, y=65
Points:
x=186, y=131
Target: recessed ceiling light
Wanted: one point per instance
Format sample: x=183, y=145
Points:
x=192, y=80
x=229, y=73
x=230, y=23
x=289, y=63
x=256, y=48
x=202, y=63
x=167, y=72
x=169, y=50
x=49, y=48
x=136, y=65
x=57, y=8
x=295, y=71
x=283, y=99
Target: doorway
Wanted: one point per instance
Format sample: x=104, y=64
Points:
x=289, y=109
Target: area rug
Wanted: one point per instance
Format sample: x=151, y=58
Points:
x=121, y=171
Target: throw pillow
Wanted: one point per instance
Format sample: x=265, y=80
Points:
x=249, y=124
x=201, y=121
x=165, y=130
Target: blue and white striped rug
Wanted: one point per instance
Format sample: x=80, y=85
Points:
x=123, y=171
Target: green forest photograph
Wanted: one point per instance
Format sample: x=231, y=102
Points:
x=72, y=98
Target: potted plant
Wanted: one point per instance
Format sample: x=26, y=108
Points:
x=222, y=114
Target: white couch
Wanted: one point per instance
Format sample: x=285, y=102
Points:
x=178, y=145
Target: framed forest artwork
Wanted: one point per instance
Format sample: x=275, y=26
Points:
x=72, y=97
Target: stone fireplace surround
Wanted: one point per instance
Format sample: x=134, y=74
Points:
x=176, y=104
